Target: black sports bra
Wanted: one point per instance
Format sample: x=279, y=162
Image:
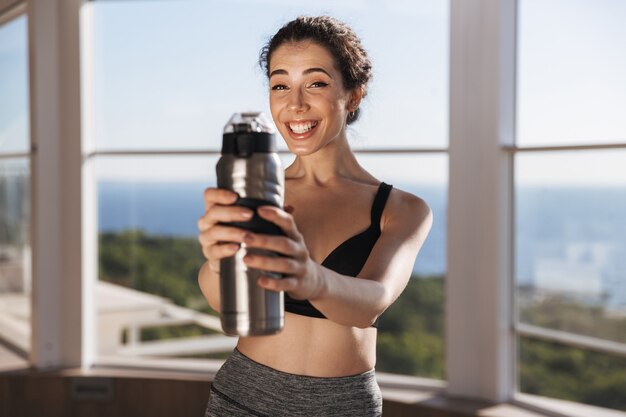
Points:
x=349, y=257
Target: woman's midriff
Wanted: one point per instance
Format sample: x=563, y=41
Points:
x=314, y=347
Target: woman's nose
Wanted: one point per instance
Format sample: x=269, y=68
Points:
x=297, y=101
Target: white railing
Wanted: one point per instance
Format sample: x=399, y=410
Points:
x=571, y=339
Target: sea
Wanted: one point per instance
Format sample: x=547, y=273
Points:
x=568, y=240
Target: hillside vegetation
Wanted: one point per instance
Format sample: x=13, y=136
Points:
x=411, y=336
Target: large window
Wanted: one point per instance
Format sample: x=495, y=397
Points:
x=570, y=192
x=15, y=260
x=167, y=77
x=533, y=169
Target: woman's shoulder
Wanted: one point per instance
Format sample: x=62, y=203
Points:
x=406, y=208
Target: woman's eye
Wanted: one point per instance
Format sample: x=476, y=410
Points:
x=319, y=84
x=279, y=87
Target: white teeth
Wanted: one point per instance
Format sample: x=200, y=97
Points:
x=300, y=128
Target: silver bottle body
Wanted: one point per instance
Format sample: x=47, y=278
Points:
x=246, y=308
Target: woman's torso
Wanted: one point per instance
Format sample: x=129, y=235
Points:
x=314, y=346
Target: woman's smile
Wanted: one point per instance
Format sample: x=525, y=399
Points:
x=301, y=129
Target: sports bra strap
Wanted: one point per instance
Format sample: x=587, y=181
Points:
x=379, y=204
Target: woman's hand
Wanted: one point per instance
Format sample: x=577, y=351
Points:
x=301, y=279
x=219, y=241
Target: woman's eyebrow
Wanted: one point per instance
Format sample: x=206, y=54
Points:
x=278, y=72
x=305, y=72
x=310, y=70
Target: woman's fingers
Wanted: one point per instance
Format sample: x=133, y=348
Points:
x=223, y=250
x=282, y=264
x=278, y=244
x=220, y=233
x=220, y=241
x=282, y=219
x=219, y=213
x=216, y=252
x=282, y=284
x=214, y=196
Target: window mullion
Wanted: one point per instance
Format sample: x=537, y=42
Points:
x=479, y=337
x=57, y=320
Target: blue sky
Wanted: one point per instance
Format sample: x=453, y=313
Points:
x=203, y=58
x=168, y=75
x=14, y=128
x=571, y=66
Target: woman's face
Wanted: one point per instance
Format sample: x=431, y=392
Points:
x=308, y=101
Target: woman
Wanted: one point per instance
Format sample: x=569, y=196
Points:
x=349, y=247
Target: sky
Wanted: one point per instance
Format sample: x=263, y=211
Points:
x=14, y=130
x=168, y=75
x=203, y=56
x=571, y=66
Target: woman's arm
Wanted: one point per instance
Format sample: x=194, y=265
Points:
x=343, y=299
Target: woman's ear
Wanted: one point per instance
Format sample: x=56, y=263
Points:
x=356, y=96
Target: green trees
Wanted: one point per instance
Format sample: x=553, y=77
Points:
x=164, y=266
x=559, y=371
x=411, y=331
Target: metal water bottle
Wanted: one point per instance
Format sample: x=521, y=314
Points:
x=250, y=167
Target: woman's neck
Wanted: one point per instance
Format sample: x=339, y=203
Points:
x=335, y=161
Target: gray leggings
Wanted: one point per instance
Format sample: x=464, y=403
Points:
x=243, y=387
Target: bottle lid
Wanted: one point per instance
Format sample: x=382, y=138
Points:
x=248, y=133
x=249, y=122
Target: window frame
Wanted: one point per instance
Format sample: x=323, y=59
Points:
x=62, y=303
x=479, y=337
x=521, y=329
x=481, y=329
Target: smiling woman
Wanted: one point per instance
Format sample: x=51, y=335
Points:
x=349, y=246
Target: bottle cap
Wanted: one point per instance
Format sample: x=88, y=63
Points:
x=248, y=133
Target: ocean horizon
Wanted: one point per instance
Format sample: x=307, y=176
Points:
x=569, y=239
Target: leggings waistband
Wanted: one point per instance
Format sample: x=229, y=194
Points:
x=258, y=390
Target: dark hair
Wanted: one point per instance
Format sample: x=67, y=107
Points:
x=340, y=40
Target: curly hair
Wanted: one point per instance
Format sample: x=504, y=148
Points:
x=338, y=38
